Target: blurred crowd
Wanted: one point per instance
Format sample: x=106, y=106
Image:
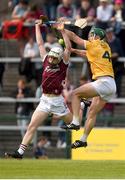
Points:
x=106, y=14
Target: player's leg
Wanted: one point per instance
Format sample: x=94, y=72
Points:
x=85, y=91
x=37, y=118
x=67, y=118
x=96, y=106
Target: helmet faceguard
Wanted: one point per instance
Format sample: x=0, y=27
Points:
x=98, y=32
x=56, y=52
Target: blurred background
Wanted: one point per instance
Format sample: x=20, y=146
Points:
x=20, y=69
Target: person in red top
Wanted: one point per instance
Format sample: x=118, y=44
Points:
x=55, y=65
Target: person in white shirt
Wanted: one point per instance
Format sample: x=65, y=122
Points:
x=31, y=50
x=104, y=14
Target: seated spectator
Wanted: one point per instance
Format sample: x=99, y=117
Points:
x=13, y=3
x=23, y=110
x=86, y=11
x=34, y=13
x=40, y=149
x=21, y=10
x=117, y=51
x=31, y=50
x=50, y=8
x=66, y=9
x=14, y=28
x=104, y=14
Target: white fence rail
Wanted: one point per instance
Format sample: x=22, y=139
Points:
x=72, y=59
x=42, y=128
x=36, y=100
x=18, y=59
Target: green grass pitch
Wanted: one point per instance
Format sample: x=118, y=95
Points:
x=61, y=169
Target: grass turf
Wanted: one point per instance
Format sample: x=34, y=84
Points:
x=61, y=169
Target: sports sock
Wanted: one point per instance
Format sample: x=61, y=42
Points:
x=75, y=121
x=21, y=149
x=84, y=138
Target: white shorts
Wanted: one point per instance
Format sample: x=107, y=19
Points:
x=106, y=87
x=53, y=105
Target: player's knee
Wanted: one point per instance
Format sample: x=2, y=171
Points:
x=76, y=93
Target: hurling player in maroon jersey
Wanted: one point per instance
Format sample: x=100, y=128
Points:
x=55, y=65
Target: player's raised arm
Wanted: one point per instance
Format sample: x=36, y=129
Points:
x=67, y=50
x=39, y=38
x=72, y=36
x=79, y=52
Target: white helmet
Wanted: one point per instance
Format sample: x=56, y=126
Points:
x=56, y=52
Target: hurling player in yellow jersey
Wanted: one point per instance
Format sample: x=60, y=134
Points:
x=102, y=89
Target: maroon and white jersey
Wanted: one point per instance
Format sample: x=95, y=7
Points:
x=53, y=77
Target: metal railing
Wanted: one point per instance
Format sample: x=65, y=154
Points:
x=36, y=100
x=38, y=59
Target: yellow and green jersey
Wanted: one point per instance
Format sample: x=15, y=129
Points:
x=98, y=53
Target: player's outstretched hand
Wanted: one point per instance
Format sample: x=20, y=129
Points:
x=39, y=22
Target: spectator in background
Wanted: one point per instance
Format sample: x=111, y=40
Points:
x=13, y=3
x=40, y=149
x=118, y=15
x=104, y=14
x=23, y=110
x=50, y=8
x=21, y=10
x=19, y=16
x=117, y=51
x=51, y=41
x=86, y=11
x=31, y=50
x=66, y=9
x=34, y=13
